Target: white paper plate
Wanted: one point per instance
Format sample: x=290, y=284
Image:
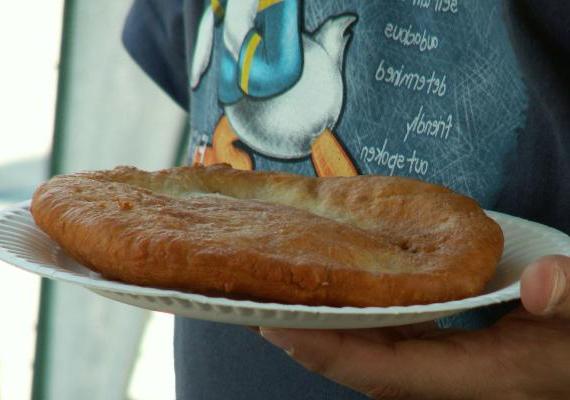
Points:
x=24, y=245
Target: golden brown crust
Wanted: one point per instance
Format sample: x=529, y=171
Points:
x=358, y=241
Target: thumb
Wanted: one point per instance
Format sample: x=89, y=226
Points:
x=545, y=287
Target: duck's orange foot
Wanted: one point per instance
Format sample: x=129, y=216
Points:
x=223, y=149
x=204, y=155
x=330, y=158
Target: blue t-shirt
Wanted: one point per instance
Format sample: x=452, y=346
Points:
x=469, y=94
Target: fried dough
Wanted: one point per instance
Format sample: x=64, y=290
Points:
x=344, y=241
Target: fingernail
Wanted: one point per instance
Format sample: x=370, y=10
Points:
x=278, y=338
x=558, y=289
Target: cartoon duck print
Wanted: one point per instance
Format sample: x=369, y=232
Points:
x=281, y=89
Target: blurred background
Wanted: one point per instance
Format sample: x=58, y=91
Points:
x=71, y=99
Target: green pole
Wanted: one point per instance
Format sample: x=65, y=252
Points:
x=42, y=350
